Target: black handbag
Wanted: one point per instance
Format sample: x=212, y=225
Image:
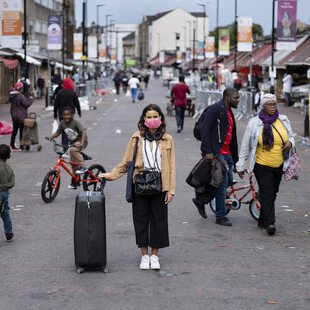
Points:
x=148, y=181
x=130, y=170
x=200, y=174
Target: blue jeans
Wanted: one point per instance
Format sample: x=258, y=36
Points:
x=179, y=113
x=134, y=92
x=220, y=193
x=5, y=214
x=288, y=99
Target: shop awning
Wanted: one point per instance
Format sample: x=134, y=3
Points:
x=30, y=59
x=60, y=65
x=300, y=57
x=10, y=63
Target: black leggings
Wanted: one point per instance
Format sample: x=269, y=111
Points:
x=150, y=218
x=16, y=126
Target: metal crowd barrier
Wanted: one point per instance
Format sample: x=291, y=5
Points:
x=89, y=88
x=206, y=97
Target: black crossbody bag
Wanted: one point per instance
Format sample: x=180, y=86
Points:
x=286, y=154
x=148, y=181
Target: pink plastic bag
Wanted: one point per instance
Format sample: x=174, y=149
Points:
x=5, y=128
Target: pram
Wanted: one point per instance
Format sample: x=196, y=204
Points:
x=30, y=133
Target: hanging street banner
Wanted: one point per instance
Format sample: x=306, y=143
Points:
x=286, y=31
x=54, y=32
x=200, y=50
x=209, y=49
x=223, y=42
x=161, y=57
x=102, y=49
x=179, y=57
x=92, y=47
x=113, y=55
x=245, y=34
x=188, y=54
x=78, y=46
x=11, y=23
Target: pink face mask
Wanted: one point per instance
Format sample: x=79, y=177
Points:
x=152, y=123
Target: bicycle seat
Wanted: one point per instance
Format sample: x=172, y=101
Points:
x=234, y=182
x=85, y=156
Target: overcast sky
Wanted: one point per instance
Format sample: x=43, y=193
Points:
x=131, y=11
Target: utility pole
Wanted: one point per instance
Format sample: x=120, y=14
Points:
x=217, y=43
x=84, y=33
x=98, y=38
x=194, y=50
x=204, y=29
x=106, y=34
x=236, y=37
x=272, y=44
x=25, y=36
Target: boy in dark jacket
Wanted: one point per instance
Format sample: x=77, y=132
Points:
x=19, y=107
x=7, y=181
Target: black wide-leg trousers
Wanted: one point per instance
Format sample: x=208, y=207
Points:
x=150, y=218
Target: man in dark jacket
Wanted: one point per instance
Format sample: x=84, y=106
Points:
x=219, y=137
x=64, y=98
x=19, y=107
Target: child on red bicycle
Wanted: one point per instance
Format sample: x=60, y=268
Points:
x=77, y=139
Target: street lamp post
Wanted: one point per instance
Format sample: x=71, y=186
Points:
x=204, y=29
x=98, y=39
x=190, y=33
x=236, y=37
x=217, y=43
x=106, y=34
x=110, y=46
x=194, y=42
x=25, y=35
x=184, y=38
x=158, y=34
x=272, y=44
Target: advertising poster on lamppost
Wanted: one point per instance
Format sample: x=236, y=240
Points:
x=245, y=34
x=92, y=47
x=102, y=49
x=12, y=24
x=188, y=54
x=179, y=57
x=210, y=50
x=161, y=57
x=200, y=50
x=286, y=26
x=223, y=43
x=54, y=32
x=78, y=45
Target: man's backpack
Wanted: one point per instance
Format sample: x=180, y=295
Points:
x=198, y=124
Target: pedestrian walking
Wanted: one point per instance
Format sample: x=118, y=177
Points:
x=155, y=151
x=287, y=88
x=267, y=141
x=134, y=84
x=124, y=78
x=7, y=181
x=178, y=95
x=64, y=98
x=146, y=80
x=19, y=111
x=117, y=82
x=41, y=85
x=219, y=138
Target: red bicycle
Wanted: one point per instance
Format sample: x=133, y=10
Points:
x=234, y=203
x=51, y=183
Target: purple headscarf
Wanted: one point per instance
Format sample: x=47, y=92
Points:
x=267, y=121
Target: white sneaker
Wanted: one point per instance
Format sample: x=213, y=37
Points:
x=145, y=262
x=154, y=262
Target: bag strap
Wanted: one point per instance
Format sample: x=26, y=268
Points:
x=278, y=133
x=135, y=150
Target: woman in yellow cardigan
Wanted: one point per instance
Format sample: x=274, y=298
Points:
x=155, y=149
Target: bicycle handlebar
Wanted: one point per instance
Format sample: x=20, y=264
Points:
x=55, y=143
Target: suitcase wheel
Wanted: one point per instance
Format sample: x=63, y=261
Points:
x=105, y=270
x=39, y=147
x=79, y=270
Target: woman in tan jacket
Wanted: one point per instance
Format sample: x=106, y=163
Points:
x=150, y=213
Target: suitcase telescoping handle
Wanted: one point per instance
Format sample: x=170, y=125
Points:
x=102, y=184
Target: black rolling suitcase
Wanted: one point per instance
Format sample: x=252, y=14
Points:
x=90, y=231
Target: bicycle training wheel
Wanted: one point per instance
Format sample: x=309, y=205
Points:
x=49, y=190
x=90, y=179
x=213, y=206
x=253, y=210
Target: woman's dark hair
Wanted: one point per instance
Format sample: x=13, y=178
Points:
x=152, y=107
x=5, y=152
